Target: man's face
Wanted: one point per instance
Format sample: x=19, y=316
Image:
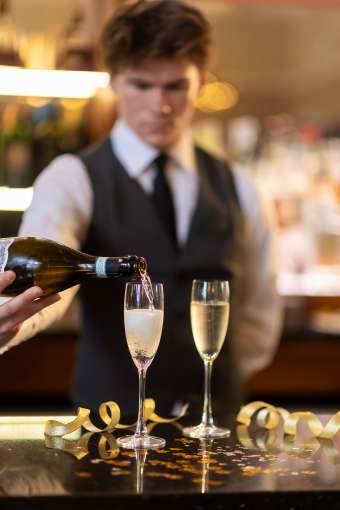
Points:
x=156, y=99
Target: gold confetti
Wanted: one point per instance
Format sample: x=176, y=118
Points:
x=118, y=462
x=169, y=476
x=199, y=481
x=251, y=471
x=192, y=470
x=187, y=456
x=128, y=454
x=118, y=472
x=273, y=470
x=219, y=471
x=184, y=440
x=83, y=474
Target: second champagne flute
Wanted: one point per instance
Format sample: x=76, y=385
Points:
x=143, y=319
x=209, y=311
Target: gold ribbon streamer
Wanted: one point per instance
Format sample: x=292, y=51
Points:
x=332, y=427
x=78, y=448
x=107, y=445
x=158, y=419
x=313, y=422
x=265, y=443
x=269, y=416
x=113, y=449
x=278, y=442
x=109, y=412
x=274, y=442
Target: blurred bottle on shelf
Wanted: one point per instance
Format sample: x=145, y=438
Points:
x=299, y=168
x=16, y=145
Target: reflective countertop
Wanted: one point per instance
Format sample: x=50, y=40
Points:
x=253, y=468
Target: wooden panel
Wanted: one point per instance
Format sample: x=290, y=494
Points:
x=302, y=368
x=41, y=366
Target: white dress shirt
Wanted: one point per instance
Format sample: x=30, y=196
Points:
x=61, y=209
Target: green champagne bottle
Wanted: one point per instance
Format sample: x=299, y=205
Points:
x=55, y=267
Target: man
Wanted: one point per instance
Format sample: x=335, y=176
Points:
x=146, y=189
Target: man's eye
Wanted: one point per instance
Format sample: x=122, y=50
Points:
x=177, y=86
x=141, y=85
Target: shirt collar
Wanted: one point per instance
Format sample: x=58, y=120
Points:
x=136, y=155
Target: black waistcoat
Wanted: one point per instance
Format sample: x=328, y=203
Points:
x=124, y=222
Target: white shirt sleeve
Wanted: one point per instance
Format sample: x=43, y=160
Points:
x=61, y=210
x=258, y=330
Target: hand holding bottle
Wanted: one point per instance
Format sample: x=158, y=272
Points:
x=54, y=267
x=19, y=308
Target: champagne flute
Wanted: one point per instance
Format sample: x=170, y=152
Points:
x=143, y=319
x=209, y=311
x=206, y=449
x=140, y=455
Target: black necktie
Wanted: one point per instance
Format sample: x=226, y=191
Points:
x=162, y=198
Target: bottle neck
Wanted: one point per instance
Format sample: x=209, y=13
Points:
x=114, y=267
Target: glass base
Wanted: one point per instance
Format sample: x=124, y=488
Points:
x=205, y=431
x=141, y=442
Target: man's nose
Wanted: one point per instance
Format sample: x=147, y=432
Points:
x=160, y=101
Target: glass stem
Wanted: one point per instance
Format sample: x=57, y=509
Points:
x=141, y=427
x=207, y=418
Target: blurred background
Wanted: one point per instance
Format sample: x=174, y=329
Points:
x=271, y=105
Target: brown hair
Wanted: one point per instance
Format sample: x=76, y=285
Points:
x=155, y=29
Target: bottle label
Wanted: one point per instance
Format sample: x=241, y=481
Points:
x=101, y=267
x=4, y=245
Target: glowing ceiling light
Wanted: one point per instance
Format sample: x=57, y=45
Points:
x=17, y=81
x=217, y=96
x=15, y=199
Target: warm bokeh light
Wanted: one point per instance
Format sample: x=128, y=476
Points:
x=30, y=427
x=16, y=81
x=15, y=199
x=37, y=102
x=217, y=96
x=73, y=104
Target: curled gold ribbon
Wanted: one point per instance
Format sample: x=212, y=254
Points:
x=109, y=412
x=78, y=448
x=260, y=442
x=332, y=427
x=273, y=442
x=268, y=416
x=314, y=424
x=244, y=438
x=158, y=419
x=107, y=445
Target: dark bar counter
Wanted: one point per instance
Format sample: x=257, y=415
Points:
x=252, y=469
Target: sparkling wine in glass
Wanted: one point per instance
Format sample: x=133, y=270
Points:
x=143, y=319
x=209, y=311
